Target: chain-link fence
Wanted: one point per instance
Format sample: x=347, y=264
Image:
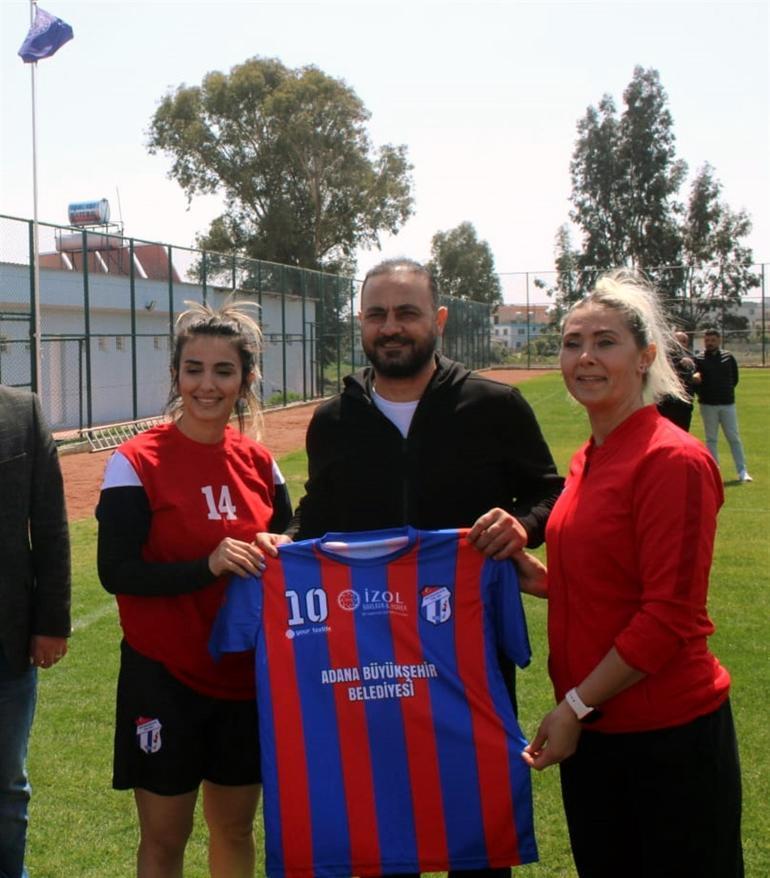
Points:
x=107, y=306
x=526, y=334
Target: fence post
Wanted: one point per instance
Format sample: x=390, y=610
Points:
x=764, y=316
x=261, y=321
x=303, y=289
x=352, y=327
x=87, y=327
x=337, y=332
x=81, y=345
x=321, y=334
x=132, y=296
x=313, y=360
x=529, y=351
x=283, y=333
x=34, y=377
x=170, y=298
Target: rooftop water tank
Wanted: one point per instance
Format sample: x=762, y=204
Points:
x=89, y=213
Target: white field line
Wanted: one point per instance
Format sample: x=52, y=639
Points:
x=94, y=616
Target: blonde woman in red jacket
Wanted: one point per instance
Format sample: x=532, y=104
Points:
x=642, y=727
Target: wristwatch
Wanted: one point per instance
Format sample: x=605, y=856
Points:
x=582, y=711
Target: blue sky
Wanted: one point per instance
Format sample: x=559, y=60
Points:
x=486, y=95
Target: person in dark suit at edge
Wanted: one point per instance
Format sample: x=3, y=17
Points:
x=34, y=599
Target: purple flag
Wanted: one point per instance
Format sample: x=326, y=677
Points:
x=46, y=36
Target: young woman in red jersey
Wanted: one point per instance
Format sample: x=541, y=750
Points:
x=179, y=509
x=642, y=729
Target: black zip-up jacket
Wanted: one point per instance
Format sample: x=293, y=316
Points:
x=473, y=444
x=719, y=377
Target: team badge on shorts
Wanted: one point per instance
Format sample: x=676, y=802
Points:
x=435, y=604
x=148, y=734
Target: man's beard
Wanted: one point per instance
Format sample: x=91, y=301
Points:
x=405, y=363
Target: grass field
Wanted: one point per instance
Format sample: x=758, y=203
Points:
x=80, y=827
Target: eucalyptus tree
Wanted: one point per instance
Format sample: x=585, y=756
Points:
x=289, y=151
x=627, y=209
x=464, y=266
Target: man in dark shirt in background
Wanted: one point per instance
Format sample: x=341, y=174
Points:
x=716, y=379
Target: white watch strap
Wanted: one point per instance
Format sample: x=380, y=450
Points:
x=580, y=709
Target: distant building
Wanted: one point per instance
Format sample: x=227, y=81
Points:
x=515, y=325
x=151, y=261
x=106, y=346
x=754, y=314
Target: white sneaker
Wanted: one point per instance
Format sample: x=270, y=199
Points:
x=745, y=477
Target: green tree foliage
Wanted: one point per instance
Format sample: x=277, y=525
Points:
x=625, y=178
x=569, y=286
x=289, y=151
x=716, y=265
x=570, y=283
x=597, y=187
x=653, y=174
x=626, y=205
x=464, y=266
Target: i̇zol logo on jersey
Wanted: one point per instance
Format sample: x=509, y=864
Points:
x=435, y=604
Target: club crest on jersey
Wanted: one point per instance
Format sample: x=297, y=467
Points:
x=435, y=603
x=148, y=734
x=348, y=600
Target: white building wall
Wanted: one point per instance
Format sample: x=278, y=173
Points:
x=63, y=359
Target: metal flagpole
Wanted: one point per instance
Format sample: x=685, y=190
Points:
x=37, y=334
x=42, y=41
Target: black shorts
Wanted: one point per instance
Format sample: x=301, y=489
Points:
x=168, y=738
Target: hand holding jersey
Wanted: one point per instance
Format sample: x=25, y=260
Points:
x=238, y=557
x=498, y=534
x=269, y=543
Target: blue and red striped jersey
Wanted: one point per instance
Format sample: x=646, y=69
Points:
x=389, y=743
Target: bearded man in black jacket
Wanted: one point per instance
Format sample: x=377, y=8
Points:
x=417, y=439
